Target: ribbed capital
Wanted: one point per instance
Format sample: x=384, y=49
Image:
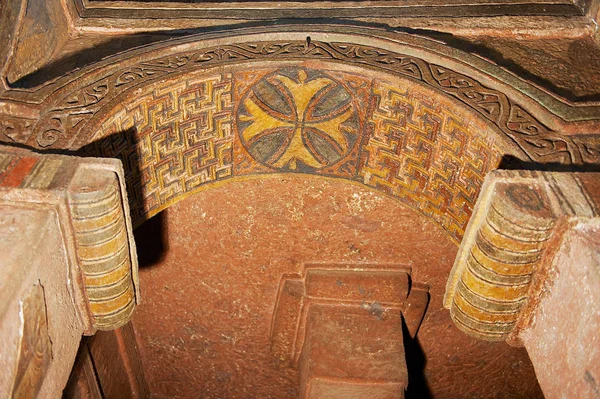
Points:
x=510, y=233
x=102, y=245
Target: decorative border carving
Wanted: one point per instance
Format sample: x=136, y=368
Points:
x=424, y=152
x=171, y=137
x=65, y=123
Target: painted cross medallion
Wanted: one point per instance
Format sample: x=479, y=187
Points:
x=298, y=119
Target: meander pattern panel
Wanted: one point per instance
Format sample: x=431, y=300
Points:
x=397, y=136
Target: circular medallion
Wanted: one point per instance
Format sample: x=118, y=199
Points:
x=298, y=119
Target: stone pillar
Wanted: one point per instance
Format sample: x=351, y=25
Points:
x=342, y=325
x=528, y=271
x=69, y=265
x=563, y=339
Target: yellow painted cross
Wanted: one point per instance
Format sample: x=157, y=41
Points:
x=305, y=95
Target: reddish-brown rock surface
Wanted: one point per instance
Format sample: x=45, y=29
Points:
x=211, y=285
x=563, y=338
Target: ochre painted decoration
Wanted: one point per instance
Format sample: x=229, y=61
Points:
x=298, y=119
x=396, y=136
x=176, y=112
x=323, y=132
x=70, y=112
x=182, y=114
x=102, y=246
x=28, y=171
x=90, y=197
x=422, y=150
x=518, y=222
x=508, y=247
x=35, y=347
x=171, y=137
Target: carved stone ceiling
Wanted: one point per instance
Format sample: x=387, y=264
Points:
x=462, y=8
x=417, y=110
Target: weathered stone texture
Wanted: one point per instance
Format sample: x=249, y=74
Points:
x=210, y=292
x=563, y=341
x=62, y=221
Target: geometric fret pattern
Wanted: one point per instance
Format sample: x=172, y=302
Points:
x=414, y=144
x=424, y=153
x=172, y=137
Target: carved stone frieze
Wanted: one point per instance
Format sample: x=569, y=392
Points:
x=511, y=119
x=172, y=138
x=182, y=115
x=68, y=112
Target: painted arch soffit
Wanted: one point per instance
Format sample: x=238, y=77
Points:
x=396, y=117
x=182, y=132
x=66, y=105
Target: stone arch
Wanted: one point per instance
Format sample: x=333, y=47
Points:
x=408, y=141
x=480, y=112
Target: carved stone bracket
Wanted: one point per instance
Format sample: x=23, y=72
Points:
x=500, y=269
x=103, y=246
x=342, y=325
x=90, y=199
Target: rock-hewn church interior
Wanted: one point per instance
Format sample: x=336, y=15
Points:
x=300, y=199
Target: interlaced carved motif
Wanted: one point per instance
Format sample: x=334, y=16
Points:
x=72, y=109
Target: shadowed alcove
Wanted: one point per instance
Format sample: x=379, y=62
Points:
x=209, y=300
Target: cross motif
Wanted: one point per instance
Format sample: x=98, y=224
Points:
x=303, y=121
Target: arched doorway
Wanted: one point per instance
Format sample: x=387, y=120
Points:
x=404, y=116
x=395, y=135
